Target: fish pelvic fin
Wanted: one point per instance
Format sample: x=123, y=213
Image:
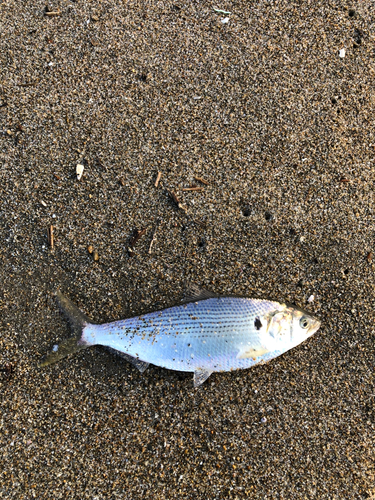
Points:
x=201, y=376
x=76, y=343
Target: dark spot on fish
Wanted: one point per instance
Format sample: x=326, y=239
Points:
x=257, y=323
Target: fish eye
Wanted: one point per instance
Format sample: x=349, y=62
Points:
x=304, y=322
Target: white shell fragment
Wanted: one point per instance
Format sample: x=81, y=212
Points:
x=79, y=171
x=311, y=299
x=225, y=20
x=342, y=53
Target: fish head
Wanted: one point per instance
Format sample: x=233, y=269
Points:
x=291, y=325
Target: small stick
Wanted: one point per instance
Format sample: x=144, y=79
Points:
x=369, y=257
x=138, y=233
x=157, y=179
x=28, y=84
x=176, y=200
x=219, y=11
x=53, y=13
x=50, y=237
x=153, y=239
x=201, y=180
x=193, y=189
x=199, y=222
x=344, y=180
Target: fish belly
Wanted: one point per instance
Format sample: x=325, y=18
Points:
x=216, y=334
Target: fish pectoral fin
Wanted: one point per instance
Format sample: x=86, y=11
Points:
x=251, y=352
x=193, y=293
x=200, y=376
x=141, y=365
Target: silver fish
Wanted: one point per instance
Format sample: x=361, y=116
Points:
x=205, y=334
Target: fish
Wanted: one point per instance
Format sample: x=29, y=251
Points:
x=205, y=333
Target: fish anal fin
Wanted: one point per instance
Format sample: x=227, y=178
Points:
x=251, y=352
x=139, y=364
x=194, y=293
x=200, y=376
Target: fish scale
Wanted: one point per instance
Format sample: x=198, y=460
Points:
x=210, y=334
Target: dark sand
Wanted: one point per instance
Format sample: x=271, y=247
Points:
x=282, y=128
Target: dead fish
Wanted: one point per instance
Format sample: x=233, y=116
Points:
x=207, y=333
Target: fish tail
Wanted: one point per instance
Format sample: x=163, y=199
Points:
x=76, y=343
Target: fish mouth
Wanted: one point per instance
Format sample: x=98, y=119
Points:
x=314, y=326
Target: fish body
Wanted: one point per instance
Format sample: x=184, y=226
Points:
x=208, y=333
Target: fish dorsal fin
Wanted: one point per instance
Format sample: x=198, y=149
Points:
x=193, y=293
x=141, y=365
x=200, y=376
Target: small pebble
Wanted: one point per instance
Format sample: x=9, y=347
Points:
x=96, y=255
x=90, y=248
x=342, y=53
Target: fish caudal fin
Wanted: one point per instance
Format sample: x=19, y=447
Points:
x=77, y=321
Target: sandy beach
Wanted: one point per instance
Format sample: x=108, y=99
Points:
x=259, y=121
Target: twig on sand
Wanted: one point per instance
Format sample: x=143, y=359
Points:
x=138, y=233
x=157, y=179
x=153, y=237
x=201, y=180
x=195, y=188
x=50, y=237
x=173, y=195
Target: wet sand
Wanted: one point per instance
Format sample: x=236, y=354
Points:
x=281, y=129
